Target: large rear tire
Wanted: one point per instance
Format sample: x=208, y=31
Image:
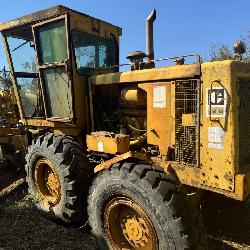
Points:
x=58, y=176
x=140, y=207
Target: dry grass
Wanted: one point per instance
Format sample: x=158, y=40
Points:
x=22, y=227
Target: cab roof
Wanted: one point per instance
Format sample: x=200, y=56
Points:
x=43, y=15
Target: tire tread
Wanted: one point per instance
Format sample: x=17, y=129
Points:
x=186, y=219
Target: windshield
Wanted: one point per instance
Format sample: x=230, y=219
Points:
x=23, y=57
x=93, y=52
x=53, y=42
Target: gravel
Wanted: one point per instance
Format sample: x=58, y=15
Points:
x=22, y=227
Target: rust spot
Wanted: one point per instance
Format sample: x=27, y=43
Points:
x=228, y=177
x=197, y=171
x=216, y=184
x=194, y=183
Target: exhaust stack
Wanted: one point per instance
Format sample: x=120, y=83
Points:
x=150, y=37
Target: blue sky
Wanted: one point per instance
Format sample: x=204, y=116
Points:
x=182, y=26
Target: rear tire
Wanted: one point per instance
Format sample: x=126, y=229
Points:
x=58, y=176
x=177, y=223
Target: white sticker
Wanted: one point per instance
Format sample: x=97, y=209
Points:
x=216, y=136
x=100, y=146
x=215, y=145
x=159, y=99
x=216, y=102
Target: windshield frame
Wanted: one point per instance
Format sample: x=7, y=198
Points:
x=43, y=66
x=19, y=74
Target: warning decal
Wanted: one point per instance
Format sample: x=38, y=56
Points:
x=216, y=136
x=159, y=98
x=216, y=102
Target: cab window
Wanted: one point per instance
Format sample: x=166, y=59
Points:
x=93, y=52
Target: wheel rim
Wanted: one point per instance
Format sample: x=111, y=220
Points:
x=126, y=226
x=47, y=182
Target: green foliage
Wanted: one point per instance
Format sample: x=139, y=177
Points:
x=220, y=52
x=5, y=81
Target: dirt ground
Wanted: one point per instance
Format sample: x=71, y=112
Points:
x=21, y=226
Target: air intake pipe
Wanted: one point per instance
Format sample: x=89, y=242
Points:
x=150, y=37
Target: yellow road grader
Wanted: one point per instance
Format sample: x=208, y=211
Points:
x=130, y=150
x=12, y=136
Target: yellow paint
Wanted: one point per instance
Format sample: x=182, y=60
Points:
x=74, y=21
x=105, y=142
x=188, y=120
x=160, y=121
x=155, y=74
x=218, y=169
x=218, y=163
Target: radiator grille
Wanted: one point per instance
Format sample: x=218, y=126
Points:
x=244, y=121
x=186, y=137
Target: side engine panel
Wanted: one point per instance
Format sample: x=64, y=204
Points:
x=173, y=119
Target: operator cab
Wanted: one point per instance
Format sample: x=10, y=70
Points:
x=50, y=54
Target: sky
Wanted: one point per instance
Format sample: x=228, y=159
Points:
x=182, y=27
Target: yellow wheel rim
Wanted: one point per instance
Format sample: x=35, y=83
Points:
x=47, y=182
x=126, y=226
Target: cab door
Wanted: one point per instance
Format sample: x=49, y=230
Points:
x=53, y=59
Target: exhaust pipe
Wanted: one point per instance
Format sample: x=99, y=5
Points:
x=150, y=37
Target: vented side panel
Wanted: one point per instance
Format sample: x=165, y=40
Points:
x=244, y=122
x=187, y=137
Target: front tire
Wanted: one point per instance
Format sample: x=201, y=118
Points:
x=58, y=177
x=140, y=207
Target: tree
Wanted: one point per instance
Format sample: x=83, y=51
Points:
x=220, y=52
x=5, y=80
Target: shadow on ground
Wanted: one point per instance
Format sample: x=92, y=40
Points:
x=22, y=227
x=227, y=222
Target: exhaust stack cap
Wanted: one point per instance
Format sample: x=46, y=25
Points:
x=152, y=16
x=136, y=56
x=150, y=35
